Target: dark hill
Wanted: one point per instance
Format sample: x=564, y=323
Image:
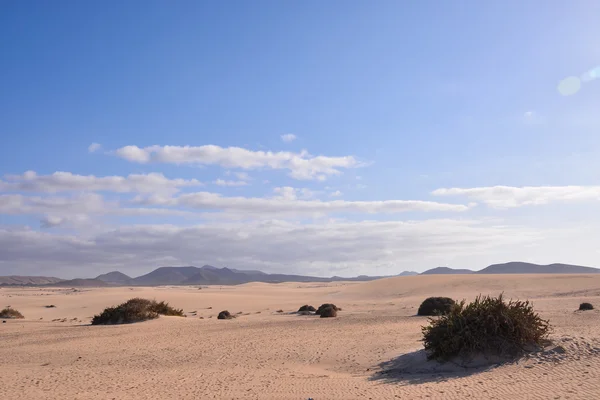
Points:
x=115, y=277
x=408, y=273
x=446, y=271
x=517, y=267
x=80, y=283
x=166, y=276
x=15, y=280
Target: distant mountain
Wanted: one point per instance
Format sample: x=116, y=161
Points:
x=209, y=275
x=27, y=280
x=248, y=272
x=115, y=277
x=517, y=267
x=408, y=273
x=446, y=271
x=166, y=276
x=80, y=283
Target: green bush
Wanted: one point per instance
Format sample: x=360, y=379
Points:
x=327, y=305
x=488, y=325
x=135, y=310
x=436, y=306
x=11, y=313
x=585, y=307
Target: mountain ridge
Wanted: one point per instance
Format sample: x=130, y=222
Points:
x=210, y=275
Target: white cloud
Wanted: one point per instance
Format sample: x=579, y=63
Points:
x=94, y=147
x=288, y=137
x=352, y=247
x=133, y=153
x=78, y=208
x=243, y=176
x=290, y=193
x=302, y=166
x=52, y=221
x=16, y=204
x=337, y=193
x=221, y=182
x=287, y=203
x=66, y=181
x=510, y=197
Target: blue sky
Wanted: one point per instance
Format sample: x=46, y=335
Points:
x=403, y=102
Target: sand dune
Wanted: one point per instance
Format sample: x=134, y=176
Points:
x=371, y=350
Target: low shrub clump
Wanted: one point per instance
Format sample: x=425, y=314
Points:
x=11, y=313
x=488, y=325
x=328, y=312
x=436, y=306
x=225, y=315
x=307, y=308
x=327, y=305
x=135, y=310
x=585, y=307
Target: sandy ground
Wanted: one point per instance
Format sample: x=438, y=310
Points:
x=371, y=351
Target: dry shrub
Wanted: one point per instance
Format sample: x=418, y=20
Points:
x=328, y=312
x=488, y=325
x=225, y=315
x=327, y=305
x=135, y=310
x=436, y=306
x=306, y=307
x=585, y=307
x=11, y=313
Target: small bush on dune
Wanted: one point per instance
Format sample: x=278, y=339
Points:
x=436, y=306
x=585, y=307
x=225, y=315
x=328, y=312
x=135, y=310
x=11, y=313
x=488, y=325
x=307, y=308
x=327, y=305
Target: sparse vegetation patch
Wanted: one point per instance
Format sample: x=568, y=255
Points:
x=327, y=305
x=135, y=310
x=436, y=306
x=225, y=315
x=586, y=307
x=11, y=313
x=488, y=325
x=328, y=312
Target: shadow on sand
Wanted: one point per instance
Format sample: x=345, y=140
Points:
x=414, y=368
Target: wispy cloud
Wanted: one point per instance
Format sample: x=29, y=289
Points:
x=302, y=166
x=288, y=137
x=269, y=245
x=287, y=203
x=94, y=147
x=60, y=181
x=510, y=196
x=221, y=182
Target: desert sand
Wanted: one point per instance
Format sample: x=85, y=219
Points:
x=370, y=351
